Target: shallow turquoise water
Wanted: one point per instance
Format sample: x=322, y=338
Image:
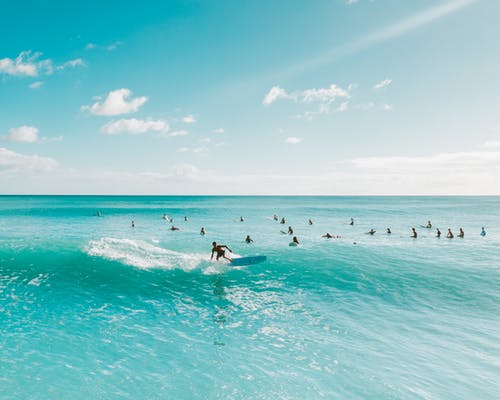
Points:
x=91, y=308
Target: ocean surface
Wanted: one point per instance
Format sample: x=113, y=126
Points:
x=91, y=308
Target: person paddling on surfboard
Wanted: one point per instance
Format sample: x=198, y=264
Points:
x=219, y=250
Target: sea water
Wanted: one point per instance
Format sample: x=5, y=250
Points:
x=91, y=308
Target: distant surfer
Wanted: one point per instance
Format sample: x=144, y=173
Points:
x=413, y=233
x=388, y=231
x=275, y=217
x=450, y=234
x=219, y=250
x=241, y=219
x=438, y=233
x=371, y=232
x=283, y=221
x=327, y=235
x=185, y=218
x=290, y=230
x=483, y=232
x=310, y=222
x=167, y=218
x=461, y=234
x=295, y=240
x=248, y=239
x=429, y=225
x=174, y=228
x=352, y=221
x=133, y=224
x=98, y=214
x=202, y=231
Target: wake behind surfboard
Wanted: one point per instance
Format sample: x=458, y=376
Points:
x=237, y=262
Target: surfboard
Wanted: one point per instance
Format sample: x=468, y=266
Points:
x=247, y=260
x=292, y=244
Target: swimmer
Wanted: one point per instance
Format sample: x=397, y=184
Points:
x=133, y=224
x=389, y=231
x=295, y=240
x=290, y=230
x=185, y=218
x=202, y=231
x=174, y=228
x=310, y=222
x=429, y=225
x=327, y=235
x=241, y=219
x=352, y=221
x=219, y=250
x=413, y=233
x=371, y=232
x=438, y=233
x=450, y=234
x=275, y=217
x=483, y=232
x=283, y=221
x=248, y=239
x=461, y=234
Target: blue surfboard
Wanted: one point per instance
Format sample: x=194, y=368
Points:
x=237, y=262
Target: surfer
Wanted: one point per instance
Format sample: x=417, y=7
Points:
x=310, y=222
x=219, y=250
x=98, y=214
x=352, y=221
x=483, y=232
x=248, y=239
x=371, y=232
x=241, y=219
x=174, y=228
x=450, y=234
x=429, y=225
x=133, y=224
x=461, y=234
x=290, y=230
x=275, y=217
x=283, y=221
x=389, y=231
x=295, y=240
x=167, y=218
x=327, y=235
x=438, y=233
x=202, y=231
x=413, y=233
x=185, y=218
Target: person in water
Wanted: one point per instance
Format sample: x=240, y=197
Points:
x=185, y=218
x=413, y=233
x=461, y=234
x=219, y=250
x=438, y=233
x=174, y=228
x=483, y=232
x=248, y=239
x=310, y=222
x=241, y=219
x=389, y=231
x=327, y=235
x=352, y=221
x=133, y=224
x=371, y=232
x=202, y=231
x=275, y=217
x=290, y=230
x=283, y=221
x=429, y=225
x=450, y=234
x=295, y=240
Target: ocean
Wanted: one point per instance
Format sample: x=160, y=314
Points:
x=91, y=308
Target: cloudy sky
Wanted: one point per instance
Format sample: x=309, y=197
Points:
x=260, y=97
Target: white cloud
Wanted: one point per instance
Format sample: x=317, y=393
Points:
x=274, y=94
x=387, y=107
x=11, y=161
x=90, y=46
x=189, y=119
x=134, y=126
x=36, y=85
x=182, y=149
x=218, y=130
x=205, y=140
x=180, y=132
x=325, y=95
x=343, y=106
x=117, y=103
x=293, y=140
x=350, y=2
x=110, y=47
x=25, y=133
x=365, y=106
x=382, y=84
x=77, y=62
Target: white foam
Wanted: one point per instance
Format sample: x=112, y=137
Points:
x=140, y=254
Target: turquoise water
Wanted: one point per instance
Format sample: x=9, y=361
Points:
x=91, y=308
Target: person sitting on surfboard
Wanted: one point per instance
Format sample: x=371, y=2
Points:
x=413, y=233
x=248, y=239
x=429, y=225
x=461, y=234
x=352, y=221
x=283, y=221
x=389, y=231
x=450, y=234
x=371, y=232
x=483, y=231
x=295, y=240
x=202, y=231
x=310, y=222
x=275, y=217
x=290, y=230
x=438, y=233
x=219, y=250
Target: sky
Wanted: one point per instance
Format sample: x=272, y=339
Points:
x=323, y=97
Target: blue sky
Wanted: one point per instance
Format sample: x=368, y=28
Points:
x=233, y=97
